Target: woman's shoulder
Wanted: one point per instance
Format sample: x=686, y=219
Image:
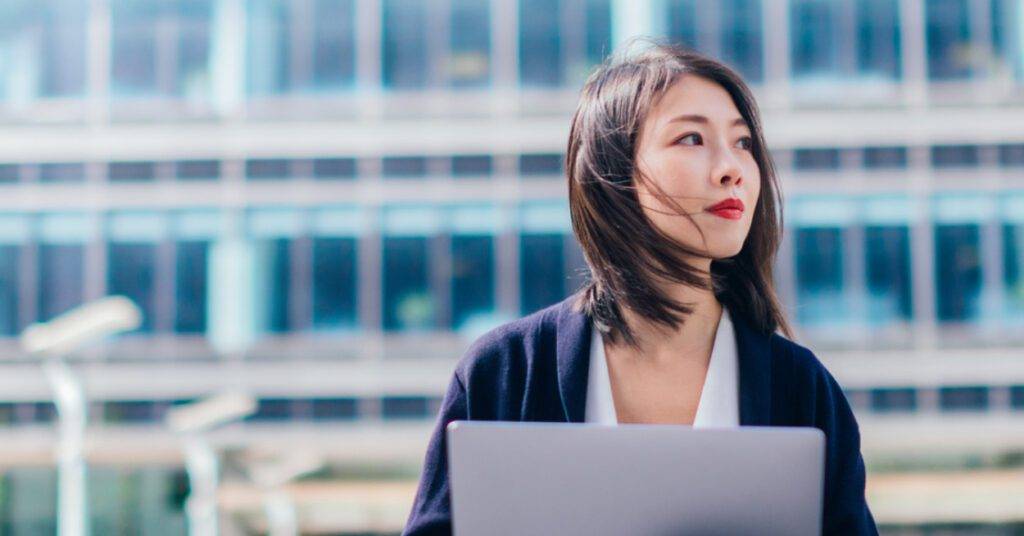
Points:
x=513, y=344
x=800, y=377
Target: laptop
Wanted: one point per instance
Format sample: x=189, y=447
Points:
x=588, y=479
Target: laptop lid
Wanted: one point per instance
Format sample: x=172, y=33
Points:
x=585, y=479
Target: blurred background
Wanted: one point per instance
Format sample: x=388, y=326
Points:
x=323, y=202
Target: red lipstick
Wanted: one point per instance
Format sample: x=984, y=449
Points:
x=730, y=209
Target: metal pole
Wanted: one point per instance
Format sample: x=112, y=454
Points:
x=202, y=468
x=282, y=520
x=69, y=399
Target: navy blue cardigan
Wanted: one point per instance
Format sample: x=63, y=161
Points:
x=536, y=369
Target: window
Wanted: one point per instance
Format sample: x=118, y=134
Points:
x=958, y=272
x=897, y=399
x=948, y=39
x=541, y=270
x=540, y=164
x=408, y=301
x=60, y=279
x=472, y=278
x=963, y=398
x=131, y=411
x=405, y=51
x=741, y=34
x=682, y=22
x=160, y=47
x=470, y=61
x=53, y=172
x=1011, y=155
x=405, y=407
x=197, y=169
x=273, y=409
x=819, y=272
x=131, y=272
x=472, y=165
x=334, y=283
x=949, y=156
x=267, y=168
x=277, y=260
x=825, y=43
x=1013, y=268
x=885, y=157
x=888, y=273
x=540, y=43
x=1017, y=397
x=42, y=49
x=330, y=409
x=816, y=159
x=131, y=171
x=334, y=57
x=8, y=173
x=9, y=282
x=404, y=166
x=334, y=168
x=269, y=47
x=191, y=286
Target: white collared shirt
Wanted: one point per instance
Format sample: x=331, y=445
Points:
x=719, y=399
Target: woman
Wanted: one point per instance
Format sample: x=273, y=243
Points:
x=674, y=200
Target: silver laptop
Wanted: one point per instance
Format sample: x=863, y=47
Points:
x=585, y=479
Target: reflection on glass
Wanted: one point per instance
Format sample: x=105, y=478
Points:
x=948, y=39
x=470, y=61
x=60, y=279
x=190, y=286
x=878, y=38
x=9, y=257
x=542, y=276
x=888, y=274
x=819, y=272
x=277, y=260
x=408, y=302
x=404, y=52
x=540, y=43
x=472, y=278
x=131, y=272
x=1013, y=269
x=268, y=47
x=742, y=37
x=815, y=37
x=334, y=47
x=334, y=283
x=958, y=272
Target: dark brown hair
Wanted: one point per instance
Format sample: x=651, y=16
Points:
x=626, y=253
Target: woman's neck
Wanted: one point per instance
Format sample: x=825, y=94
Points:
x=694, y=338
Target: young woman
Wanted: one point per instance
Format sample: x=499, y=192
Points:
x=675, y=202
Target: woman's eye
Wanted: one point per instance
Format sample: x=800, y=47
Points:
x=690, y=139
x=745, y=143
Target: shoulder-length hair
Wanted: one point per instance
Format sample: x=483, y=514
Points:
x=627, y=254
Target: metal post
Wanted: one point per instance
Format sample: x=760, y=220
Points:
x=69, y=399
x=202, y=468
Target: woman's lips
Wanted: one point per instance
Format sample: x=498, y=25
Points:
x=730, y=209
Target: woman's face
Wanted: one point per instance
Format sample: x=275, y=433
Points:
x=696, y=147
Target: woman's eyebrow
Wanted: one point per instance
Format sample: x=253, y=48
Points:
x=697, y=118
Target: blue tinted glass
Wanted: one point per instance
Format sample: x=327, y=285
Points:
x=274, y=409
x=742, y=37
x=334, y=282
x=9, y=258
x=948, y=37
x=131, y=272
x=1013, y=268
x=62, y=47
x=268, y=47
x=404, y=166
x=408, y=302
x=191, y=282
x=405, y=44
x=878, y=38
x=963, y=398
x=888, y=273
x=405, y=407
x=335, y=408
x=955, y=156
x=958, y=272
x=131, y=171
x=472, y=278
x=816, y=159
x=60, y=279
x=540, y=43
x=61, y=172
x=542, y=277
x=819, y=272
x=885, y=157
x=682, y=22
x=334, y=49
x=470, y=61
x=472, y=165
x=815, y=39
x=277, y=261
x=599, y=30
x=193, y=44
x=893, y=399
